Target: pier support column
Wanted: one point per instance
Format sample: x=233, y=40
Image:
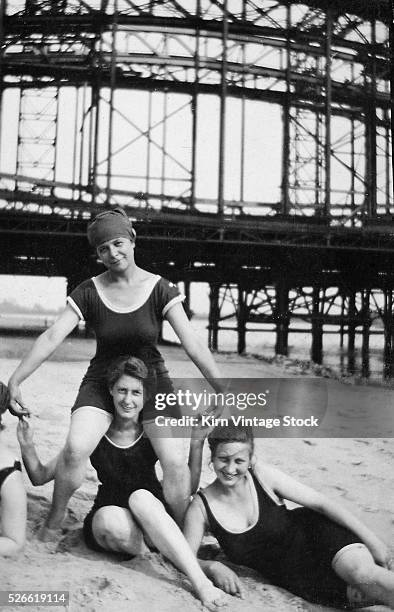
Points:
x=317, y=328
x=213, y=317
x=388, y=351
x=187, y=304
x=282, y=319
x=242, y=313
x=351, y=334
x=342, y=326
x=365, y=371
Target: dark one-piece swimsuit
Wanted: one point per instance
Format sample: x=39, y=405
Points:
x=5, y=472
x=121, y=471
x=292, y=548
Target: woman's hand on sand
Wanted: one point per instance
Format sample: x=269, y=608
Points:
x=24, y=433
x=212, y=597
x=226, y=579
x=17, y=407
x=381, y=554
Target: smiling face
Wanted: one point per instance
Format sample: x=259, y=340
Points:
x=128, y=397
x=116, y=254
x=231, y=462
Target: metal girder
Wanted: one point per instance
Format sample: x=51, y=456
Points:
x=378, y=9
x=274, y=52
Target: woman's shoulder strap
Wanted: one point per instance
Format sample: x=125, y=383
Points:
x=204, y=500
x=262, y=483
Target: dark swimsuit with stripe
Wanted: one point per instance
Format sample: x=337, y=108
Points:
x=5, y=472
x=292, y=548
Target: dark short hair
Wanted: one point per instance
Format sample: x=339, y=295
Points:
x=131, y=366
x=223, y=434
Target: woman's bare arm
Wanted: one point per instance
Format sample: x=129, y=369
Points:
x=196, y=350
x=195, y=462
x=43, y=347
x=38, y=472
x=221, y=575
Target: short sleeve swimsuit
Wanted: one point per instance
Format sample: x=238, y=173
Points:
x=123, y=331
x=121, y=470
x=292, y=548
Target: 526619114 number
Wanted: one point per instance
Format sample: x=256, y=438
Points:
x=41, y=598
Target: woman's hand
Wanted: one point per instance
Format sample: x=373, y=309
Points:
x=227, y=580
x=380, y=553
x=201, y=431
x=24, y=433
x=17, y=407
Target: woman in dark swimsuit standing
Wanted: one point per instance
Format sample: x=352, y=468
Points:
x=320, y=551
x=125, y=306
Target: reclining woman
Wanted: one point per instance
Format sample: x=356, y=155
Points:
x=320, y=552
x=129, y=513
x=125, y=306
x=12, y=493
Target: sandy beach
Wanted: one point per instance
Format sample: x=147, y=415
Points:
x=358, y=472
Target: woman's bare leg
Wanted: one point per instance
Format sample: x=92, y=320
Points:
x=86, y=430
x=357, y=567
x=167, y=537
x=114, y=529
x=176, y=475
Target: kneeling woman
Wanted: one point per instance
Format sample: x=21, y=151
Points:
x=129, y=512
x=320, y=552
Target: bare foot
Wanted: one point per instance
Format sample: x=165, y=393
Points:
x=48, y=535
x=212, y=597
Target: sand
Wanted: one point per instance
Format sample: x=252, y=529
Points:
x=355, y=471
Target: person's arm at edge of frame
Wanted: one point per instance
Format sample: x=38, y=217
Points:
x=287, y=487
x=42, y=348
x=38, y=472
x=13, y=511
x=198, y=352
x=198, y=436
x=221, y=575
x=195, y=462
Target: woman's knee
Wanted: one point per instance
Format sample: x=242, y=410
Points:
x=173, y=462
x=109, y=522
x=86, y=430
x=170, y=452
x=75, y=453
x=355, y=565
x=142, y=502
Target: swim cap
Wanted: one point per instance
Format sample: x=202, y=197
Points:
x=108, y=225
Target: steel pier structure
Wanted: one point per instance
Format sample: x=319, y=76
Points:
x=106, y=102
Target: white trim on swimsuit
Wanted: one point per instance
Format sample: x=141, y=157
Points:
x=126, y=309
x=96, y=408
x=127, y=445
x=75, y=308
x=171, y=303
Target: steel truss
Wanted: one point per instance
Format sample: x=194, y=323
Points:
x=93, y=93
x=325, y=64
x=315, y=310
